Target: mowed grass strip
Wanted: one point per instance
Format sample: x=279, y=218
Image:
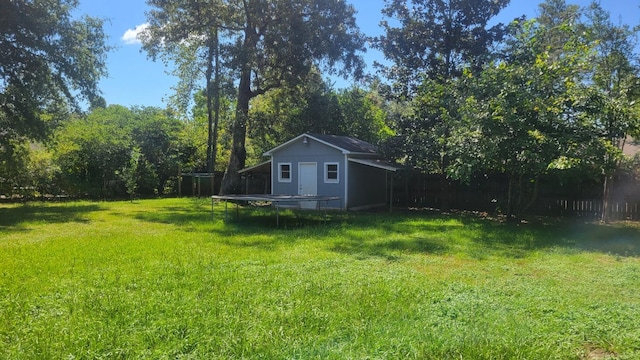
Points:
x=162, y=279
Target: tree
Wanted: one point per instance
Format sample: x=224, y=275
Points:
x=520, y=116
x=188, y=34
x=614, y=92
x=199, y=114
x=280, y=114
x=434, y=42
x=104, y=153
x=155, y=133
x=128, y=173
x=14, y=159
x=555, y=16
x=267, y=44
x=91, y=151
x=49, y=62
x=424, y=131
x=436, y=39
x=363, y=113
x=278, y=42
x=312, y=106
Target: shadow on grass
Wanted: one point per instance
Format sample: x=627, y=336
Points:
x=246, y=219
x=16, y=218
x=266, y=218
x=391, y=250
x=480, y=238
x=616, y=239
x=390, y=235
x=175, y=215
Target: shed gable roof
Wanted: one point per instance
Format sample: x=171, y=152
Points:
x=345, y=144
x=350, y=144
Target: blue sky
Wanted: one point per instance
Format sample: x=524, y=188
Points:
x=135, y=80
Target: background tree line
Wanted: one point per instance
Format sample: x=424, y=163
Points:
x=109, y=152
x=118, y=152
x=459, y=94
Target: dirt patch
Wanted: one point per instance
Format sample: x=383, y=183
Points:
x=595, y=353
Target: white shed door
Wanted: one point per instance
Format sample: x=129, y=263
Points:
x=308, y=183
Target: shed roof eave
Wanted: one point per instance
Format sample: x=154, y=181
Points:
x=376, y=164
x=251, y=168
x=270, y=152
x=311, y=136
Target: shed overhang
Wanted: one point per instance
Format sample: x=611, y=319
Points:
x=375, y=163
x=262, y=167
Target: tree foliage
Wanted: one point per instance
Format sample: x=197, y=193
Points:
x=435, y=40
x=314, y=107
x=281, y=114
x=556, y=16
x=614, y=93
x=14, y=159
x=92, y=150
x=49, y=61
x=117, y=150
x=199, y=121
x=520, y=115
x=364, y=114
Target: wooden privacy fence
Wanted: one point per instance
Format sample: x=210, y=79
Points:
x=488, y=194
x=483, y=193
x=479, y=201
x=618, y=210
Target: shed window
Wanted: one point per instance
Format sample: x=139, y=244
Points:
x=331, y=174
x=284, y=172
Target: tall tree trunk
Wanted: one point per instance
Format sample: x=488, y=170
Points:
x=445, y=193
x=606, y=196
x=216, y=105
x=519, y=204
x=213, y=96
x=445, y=188
x=534, y=195
x=510, y=198
x=209, y=76
x=231, y=183
x=608, y=182
x=231, y=179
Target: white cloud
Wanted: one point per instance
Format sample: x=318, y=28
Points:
x=131, y=36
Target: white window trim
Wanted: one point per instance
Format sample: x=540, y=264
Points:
x=280, y=179
x=326, y=173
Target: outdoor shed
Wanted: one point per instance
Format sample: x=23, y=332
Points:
x=331, y=165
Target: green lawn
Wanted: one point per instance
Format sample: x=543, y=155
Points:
x=161, y=279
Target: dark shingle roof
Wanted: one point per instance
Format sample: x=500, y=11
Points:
x=347, y=143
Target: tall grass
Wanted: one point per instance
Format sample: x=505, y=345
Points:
x=162, y=279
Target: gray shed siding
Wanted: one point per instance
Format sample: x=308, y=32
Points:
x=367, y=185
x=312, y=152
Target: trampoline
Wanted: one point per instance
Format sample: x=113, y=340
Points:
x=311, y=202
